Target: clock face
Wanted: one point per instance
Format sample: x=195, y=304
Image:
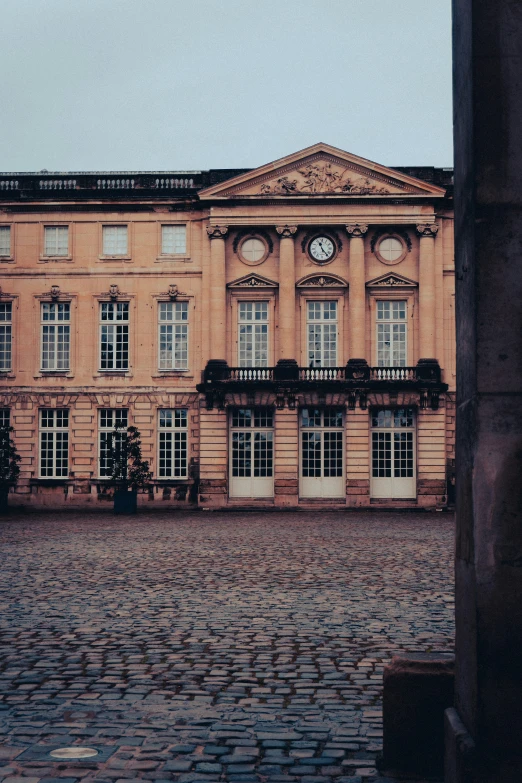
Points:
x=322, y=249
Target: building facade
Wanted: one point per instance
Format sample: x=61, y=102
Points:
x=282, y=336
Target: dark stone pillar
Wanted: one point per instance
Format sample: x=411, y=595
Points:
x=418, y=687
x=488, y=208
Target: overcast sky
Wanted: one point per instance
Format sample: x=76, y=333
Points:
x=198, y=84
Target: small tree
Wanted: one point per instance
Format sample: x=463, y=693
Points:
x=129, y=471
x=9, y=467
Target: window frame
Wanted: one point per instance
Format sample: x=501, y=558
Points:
x=56, y=324
x=323, y=322
x=252, y=322
x=44, y=255
x=104, y=430
x=6, y=258
x=9, y=324
x=55, y=429
x=391, y=322
x=173, y=323
x=395, y=293
x=103, y=256
x=114, y=322
x=163, y=257
x=5, y=421
x=183, y=430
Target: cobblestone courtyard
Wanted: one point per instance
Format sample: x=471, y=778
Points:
x=211, y=647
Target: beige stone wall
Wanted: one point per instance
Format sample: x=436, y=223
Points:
x=207, y=278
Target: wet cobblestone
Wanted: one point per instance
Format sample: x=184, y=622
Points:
x=211, y=647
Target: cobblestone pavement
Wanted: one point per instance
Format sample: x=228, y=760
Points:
x=211, y=647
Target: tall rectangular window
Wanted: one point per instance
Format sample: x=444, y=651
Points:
x=5, y=417
x=391, y=333
x=322, y=334
x=108, y=419
x=114, y=336
x=6, y=325
x=115, y=241
x=56, y=335
x=54, y=443
x=253, y=334
x=5, y=241
x=56, y=240
x=173, y=443
x=173, y=335
x=173, y=240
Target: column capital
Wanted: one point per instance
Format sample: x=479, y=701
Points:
x=217, y=232
x=286, y=232
x=427, y=229
x=357, y=229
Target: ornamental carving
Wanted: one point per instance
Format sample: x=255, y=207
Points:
x=286, y=232
x=323, y=178
x=427, y=229
x=322, y=281
x=357, y=230
x=217, y=232
x=389, y=281
x=252, y=282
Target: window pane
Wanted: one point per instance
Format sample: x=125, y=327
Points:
x=5, y=417
x=56, y=240
x=5, y=346
x=5, y=240
x=173, y=239
x=114, y=240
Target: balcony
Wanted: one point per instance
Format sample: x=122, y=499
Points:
x=355, y=378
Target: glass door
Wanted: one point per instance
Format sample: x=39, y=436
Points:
x=322, y=453
x=393, y=453
x=251, y=453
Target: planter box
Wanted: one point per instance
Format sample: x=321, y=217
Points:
x=125, y=501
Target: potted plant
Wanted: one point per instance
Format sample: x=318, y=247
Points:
x=9, y=467
x=129, y=471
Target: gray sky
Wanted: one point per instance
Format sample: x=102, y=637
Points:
x=197, y=84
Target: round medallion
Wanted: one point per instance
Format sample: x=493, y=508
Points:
x=390, y=250
x=253, y=250
x=321, y=249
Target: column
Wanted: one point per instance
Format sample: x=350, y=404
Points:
x=357, y=295
x=287, y=293
x=484, y=732
x=427, y=233
x=218, y=293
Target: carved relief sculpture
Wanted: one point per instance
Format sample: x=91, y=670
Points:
x=323, y=179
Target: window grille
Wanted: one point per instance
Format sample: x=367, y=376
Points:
x=114, y=335
x=253, y=334
x=54, y=443
x=6, y=326
x=56, y=240
x=115, y=240
x=173, y=335
x=5, y=240
x=173, y=443
x=56, y=335
x=108, y=419
x=173, y=240
x=322, y=334
x=391, y=334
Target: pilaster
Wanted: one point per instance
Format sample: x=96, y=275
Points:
x=218, y=302
x=286, y=292
x=427, y=308
x=357, y=293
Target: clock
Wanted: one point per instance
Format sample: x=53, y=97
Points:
x=321, y=249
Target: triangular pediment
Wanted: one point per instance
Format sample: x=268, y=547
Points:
x=321, y=170
x=391, y=281
x=252, y=281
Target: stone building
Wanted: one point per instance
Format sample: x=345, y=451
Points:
x=282, y=336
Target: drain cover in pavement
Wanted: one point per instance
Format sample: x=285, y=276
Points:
x=80, y=755
x=73, y=753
